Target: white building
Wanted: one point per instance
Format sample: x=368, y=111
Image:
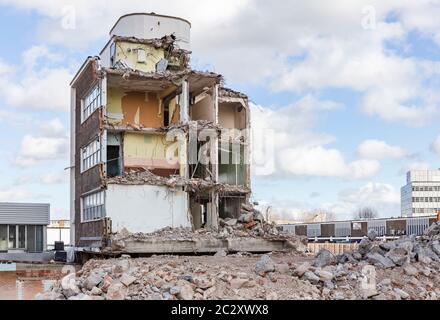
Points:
x=421, y=195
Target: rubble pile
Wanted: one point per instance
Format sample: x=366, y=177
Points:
x=408, y=268
x=251, y=223
x=244, y=276
x=181, y=278
x=403, y=251
x=145, y=176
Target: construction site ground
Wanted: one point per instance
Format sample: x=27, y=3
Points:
x=403, y=269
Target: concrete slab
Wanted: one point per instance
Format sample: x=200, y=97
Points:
x=166, y=246
x=40, y=257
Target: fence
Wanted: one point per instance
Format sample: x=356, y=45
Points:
x=416, y=225
x=343, y=229
x=335, y=248
x=313, y=230
x=380, y=226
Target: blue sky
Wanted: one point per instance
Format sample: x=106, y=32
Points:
x=350, y=91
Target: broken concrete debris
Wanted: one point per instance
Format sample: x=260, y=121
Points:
x=229, y=228
x=290, y=275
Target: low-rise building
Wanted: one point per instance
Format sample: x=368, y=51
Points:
x=421, y=195
x=23, y=227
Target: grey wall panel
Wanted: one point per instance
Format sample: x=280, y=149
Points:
x=24, y=213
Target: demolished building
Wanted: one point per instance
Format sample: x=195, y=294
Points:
x=154, y=143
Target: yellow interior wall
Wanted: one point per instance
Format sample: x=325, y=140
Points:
x=114, y=105
x=153, y=55
x=145, y=146
x=174, y=112
x=135, y=108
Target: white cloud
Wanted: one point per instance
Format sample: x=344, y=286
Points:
x=34, y=150
x=37, y=84
x=288, y=139
x=372, y=192
x=319, y=161
x=45, y=179
x=436, y=145
x=53, y=178
x=53, y=128
x=51, y=144
x=378, y=150
x=382, y=197
x=19, y=194
x=287, y=45
x=415, y=165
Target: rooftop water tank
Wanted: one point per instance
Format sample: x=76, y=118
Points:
x=152, y=26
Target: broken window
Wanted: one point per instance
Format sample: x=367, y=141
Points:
x=166, y=115
x=93, y=206
x=91, y=155
x=114, y=155
x=112, y=54
x=113, y=162
x=91, y=102
x=230, y=206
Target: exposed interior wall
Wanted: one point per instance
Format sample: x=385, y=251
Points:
x=203, y=109
x=134, y=108
x=128, y=52
x=148, y=151
x=174, y=112
x=146, y=208
x=197, y=214
x=114, y=106
x=230, y=207
x=232, y=116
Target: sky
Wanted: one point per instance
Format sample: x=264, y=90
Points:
x=346, y=93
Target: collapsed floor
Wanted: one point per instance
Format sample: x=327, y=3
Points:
x=407, y=268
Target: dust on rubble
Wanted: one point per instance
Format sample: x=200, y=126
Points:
x=407, y=268
x=251, y=223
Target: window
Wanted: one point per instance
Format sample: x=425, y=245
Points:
x=114, y=163
x=21, y=237
x=112, y=54
x=12, y=237
x=35, y=238
x=91, y=102
x=90, y=155
x=93, y=206
x=3, y=238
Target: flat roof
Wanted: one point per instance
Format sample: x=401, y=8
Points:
x=353, y=221
x=147, y=14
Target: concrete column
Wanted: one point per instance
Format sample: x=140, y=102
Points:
x=214, y=212
x=212, y=215
x=44, y=238
x=215, y=101
x=184, y=103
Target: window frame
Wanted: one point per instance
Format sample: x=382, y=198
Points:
x=94, y=204
x=95, y=156
x=93, y=104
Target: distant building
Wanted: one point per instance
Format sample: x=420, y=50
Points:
x=23, y=227
x=421, y=195
x=58, y=230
